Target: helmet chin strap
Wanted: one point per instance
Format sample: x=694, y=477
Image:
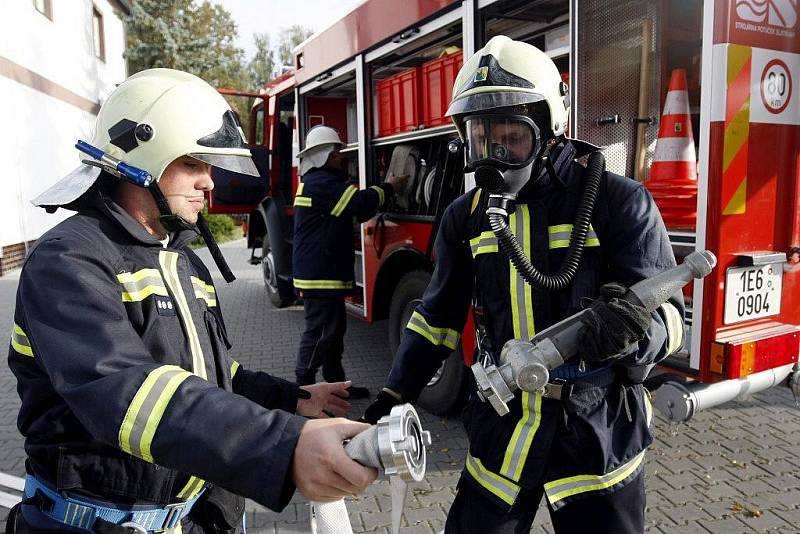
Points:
x=176, y=223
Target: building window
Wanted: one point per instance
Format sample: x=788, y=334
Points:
x=99, y=37
x=45, y=7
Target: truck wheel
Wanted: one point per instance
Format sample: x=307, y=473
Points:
x=280, y=292
x=446, y=390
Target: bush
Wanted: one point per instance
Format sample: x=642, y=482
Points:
x=222, y=228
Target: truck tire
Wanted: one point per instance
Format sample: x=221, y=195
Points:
x=281, y=292
x=446, y=391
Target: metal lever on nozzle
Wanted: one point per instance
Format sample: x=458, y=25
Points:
x=395, y=446
x=133, y=174
x=526, y=364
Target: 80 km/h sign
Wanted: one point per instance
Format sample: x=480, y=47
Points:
x=776, y=86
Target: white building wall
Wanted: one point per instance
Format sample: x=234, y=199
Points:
x=50, y=81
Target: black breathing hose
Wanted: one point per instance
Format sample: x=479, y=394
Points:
x=577, y=239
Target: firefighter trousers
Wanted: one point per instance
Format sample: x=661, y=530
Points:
x=619, y=512
x=322, y=343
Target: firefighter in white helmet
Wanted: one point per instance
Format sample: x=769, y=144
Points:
x=323, y=255
x=540, y=237
x=135, y=416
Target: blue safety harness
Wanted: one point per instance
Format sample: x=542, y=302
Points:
x=82, y=513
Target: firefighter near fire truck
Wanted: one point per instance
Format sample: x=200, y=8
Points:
x=135, y=416
x=538, y=240
x=325, y=206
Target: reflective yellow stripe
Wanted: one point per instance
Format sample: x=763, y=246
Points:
x=302, y=201
x=559, y=236
x=169, y=267
x=674, y=326
x=393, y=393
x=506, y=490
x=521, y=296
x=436, y=335
x=558, y=490
x=192, y=487
x=381, y=194
x=343, y=200
x=483, y=244
x=521, y=439
x=476, y=198
x=234, y=368
x=300, y=188
x=146, y=409
x=322, y=284
x=20, y=341
x=126, y=277
x=204, y=291
x=139, y=285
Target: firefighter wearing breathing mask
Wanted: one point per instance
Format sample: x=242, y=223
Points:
x=581, y=235
x=135, y=416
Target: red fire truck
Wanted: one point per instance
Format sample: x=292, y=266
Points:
x=383, y=74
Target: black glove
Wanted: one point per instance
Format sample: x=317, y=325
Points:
x=382, y=405
x=611, y=325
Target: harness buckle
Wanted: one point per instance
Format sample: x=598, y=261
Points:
x=557, y=389
x=174, y=514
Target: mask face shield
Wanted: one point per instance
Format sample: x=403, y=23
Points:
x=502, y=141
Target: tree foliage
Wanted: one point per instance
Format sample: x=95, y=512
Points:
x=290, y=38
x=185, y=35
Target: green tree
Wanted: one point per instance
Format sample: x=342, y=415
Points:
x=262, y=65
x=186, y=35
x=290, y=38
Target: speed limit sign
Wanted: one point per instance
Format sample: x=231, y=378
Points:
x=776, y=86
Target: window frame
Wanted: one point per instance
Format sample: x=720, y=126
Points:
x=98, y=34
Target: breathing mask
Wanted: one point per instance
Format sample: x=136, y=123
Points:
x=501, y=149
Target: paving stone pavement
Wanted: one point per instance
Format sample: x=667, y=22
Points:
x=732, y=469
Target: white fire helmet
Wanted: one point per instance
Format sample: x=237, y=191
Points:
x=321, y=140
x=153, y=118
x=509, y=73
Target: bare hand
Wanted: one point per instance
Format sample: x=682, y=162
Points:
x=321, y=469
x=327, y=400
x=397, y=182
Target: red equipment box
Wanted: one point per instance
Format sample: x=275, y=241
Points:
x=398, y=103
x=438, y=76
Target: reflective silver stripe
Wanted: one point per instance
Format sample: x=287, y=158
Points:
x=506, y=490
x=674, y=325
x=322, y=284
x=144, y=413
x=204, y=291
x=559, y=490
x=139, y=285
x=169, y=267
x=559, y=236
x=436, y=335
x=20, y=341
x=381, y=194
x=521, y=296
x=522, y=438
x=483, y=244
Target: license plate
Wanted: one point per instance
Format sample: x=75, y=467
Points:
x=752, y=292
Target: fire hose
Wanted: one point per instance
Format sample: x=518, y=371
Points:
x=396, y=446
x=526, y=364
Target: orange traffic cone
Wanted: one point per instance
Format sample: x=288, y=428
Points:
x=673, y=173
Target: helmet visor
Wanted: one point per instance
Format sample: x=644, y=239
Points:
x=229, y=162
x=510, y=141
